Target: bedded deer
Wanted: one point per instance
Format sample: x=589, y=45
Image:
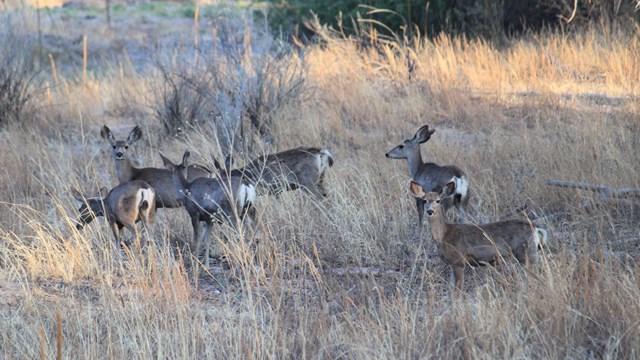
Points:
x=159, y=179
x=299, y=168
x=208, y=200
x=430, y=175
x=462, y=244
x=123, y=206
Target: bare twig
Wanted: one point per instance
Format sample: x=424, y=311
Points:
x=602, y=190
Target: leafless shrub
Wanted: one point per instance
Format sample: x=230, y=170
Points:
x=17, y=87
x=237, y=84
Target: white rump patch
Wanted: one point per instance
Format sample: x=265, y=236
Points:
x=246, y=195
x=462, y=186
x=323, y=160
x=540, y=237
x=146, y=194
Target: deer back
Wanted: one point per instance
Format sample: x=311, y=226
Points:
x=294, y=168
x=465, y=243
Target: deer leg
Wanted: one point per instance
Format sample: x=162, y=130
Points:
x=318, y=191
x=458, y=275
x=116, y=233
x=147, y=223
x=420, y=206
x=207, y=242
x=195, y=244
x=460, y=207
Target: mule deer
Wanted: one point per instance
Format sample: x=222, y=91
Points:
x=430, y=175
x=462, y=244
x=123, y=206
x=226, y=199
x=159, y=179
x=299, y=168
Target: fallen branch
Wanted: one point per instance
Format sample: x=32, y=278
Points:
x=602, y=190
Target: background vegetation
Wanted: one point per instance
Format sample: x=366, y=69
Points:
x=346, y=277
x=475, y=18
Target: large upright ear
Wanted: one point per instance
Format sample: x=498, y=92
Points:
x=104, y=192
x=423, y=134
x=135, y=135
x=106, y=134
x=416, y=189
x=228, y=161
x=448, y=189
x=185, y=159
x=77, y=195
x=166, y=162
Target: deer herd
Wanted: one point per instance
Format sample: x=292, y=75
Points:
x=229, y=196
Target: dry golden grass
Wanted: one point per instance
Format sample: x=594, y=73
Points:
x=346, y=278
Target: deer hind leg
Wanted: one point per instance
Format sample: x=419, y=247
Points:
x=318, y=191
x=119, y=245
x=147, y=218
x=323, y=191
x=207, y=242
x=195, y=244
x=136, y=237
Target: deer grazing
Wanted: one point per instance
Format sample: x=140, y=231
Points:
x=209, y=200
x=462, y=244
x=159, y=179
x=431, y=176
x=123, y=206
x=299, y=168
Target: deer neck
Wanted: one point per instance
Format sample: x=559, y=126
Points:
x=414, y=160
x=181, y=183
x=125, y=170
x=439, y=226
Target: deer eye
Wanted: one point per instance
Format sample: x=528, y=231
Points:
x=126, y=147
x=437, y=201
x=401, y=147
x=113, y=146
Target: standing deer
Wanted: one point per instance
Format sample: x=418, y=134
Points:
x=205, y=199
x=430, y=175
x=462, y=244
x=159, y=179
x=299, y=168
x=123, y=206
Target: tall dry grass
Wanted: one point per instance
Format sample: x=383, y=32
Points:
x=346, y=277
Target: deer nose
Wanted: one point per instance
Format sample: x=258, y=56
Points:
x=387, y=154
x=429, y=212
x=119, y=155
x=79, y=226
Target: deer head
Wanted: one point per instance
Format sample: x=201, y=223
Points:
x=120, y=147
x=90, y=207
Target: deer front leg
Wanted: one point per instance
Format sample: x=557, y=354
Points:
x=457, y=272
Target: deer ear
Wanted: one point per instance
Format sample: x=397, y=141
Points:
x=77, y=195
x=185, y=158
x=449, y=189
x=166, y=162
x=106, y=134
x=423, y=134
x=135, y=134
x=227, y=162
x=104, y=192
x=416, y=189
